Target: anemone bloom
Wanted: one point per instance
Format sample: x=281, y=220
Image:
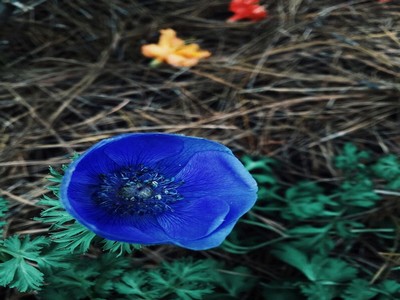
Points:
x=173, y=50
x=158, y=189
x=247, y=9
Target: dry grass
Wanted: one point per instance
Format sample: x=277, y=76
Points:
x=296, y=86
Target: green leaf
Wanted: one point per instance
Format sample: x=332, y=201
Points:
x=260, y=169
x=18, y=269
x=306, y=200
x=388, y=168
x=318, y=267
x=388, y=290
x=26, y=276
x=52, y=257
x=351, y=159
x=359, y=289
x=236, y=281
x=85, y=278
x=332, y=269
x=185, y=279
x=109, y=266
x=318, y=291
x=75, y=237
x=360, y=193
x=394, y=184
x=181, y=279
x=119, y=247
x=72, y=283
x=263, y=164
x=55, y=214
x=136, y=283
x=344, y=228
x=25, y=248
x=55, y=176
x=8, y=270
x=295, y=258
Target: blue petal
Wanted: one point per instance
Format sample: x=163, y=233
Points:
x=213, y=240
x=138, y=230
x=193, y=219
x=77, y=200
x=87, y=167
x=222, y=177
x=173, y=164
x=76, y=194
x=141, y=148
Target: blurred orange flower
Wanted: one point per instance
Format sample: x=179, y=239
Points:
x=173, y=50
x=384, y=1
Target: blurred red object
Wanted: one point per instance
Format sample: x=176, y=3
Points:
x=247, y=9
x=384, y=1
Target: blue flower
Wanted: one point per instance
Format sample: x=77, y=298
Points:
x=158, y=188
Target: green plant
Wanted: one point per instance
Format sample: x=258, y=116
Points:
x=311, y=234
x=321, y=227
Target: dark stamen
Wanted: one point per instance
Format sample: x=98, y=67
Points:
x=136, y=190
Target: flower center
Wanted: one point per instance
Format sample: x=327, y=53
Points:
x=136, y=190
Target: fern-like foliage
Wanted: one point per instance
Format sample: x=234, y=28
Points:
x=307, y=200
x=184, y=279
x=111, y=276
x=136, y=285
x=351, y=159
x=18, y=258
x=23, y=261
x=359, y=289
x=119, y=248
x=388, y=168
x=318, y=291
x=85, y=278
x=324, y=223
